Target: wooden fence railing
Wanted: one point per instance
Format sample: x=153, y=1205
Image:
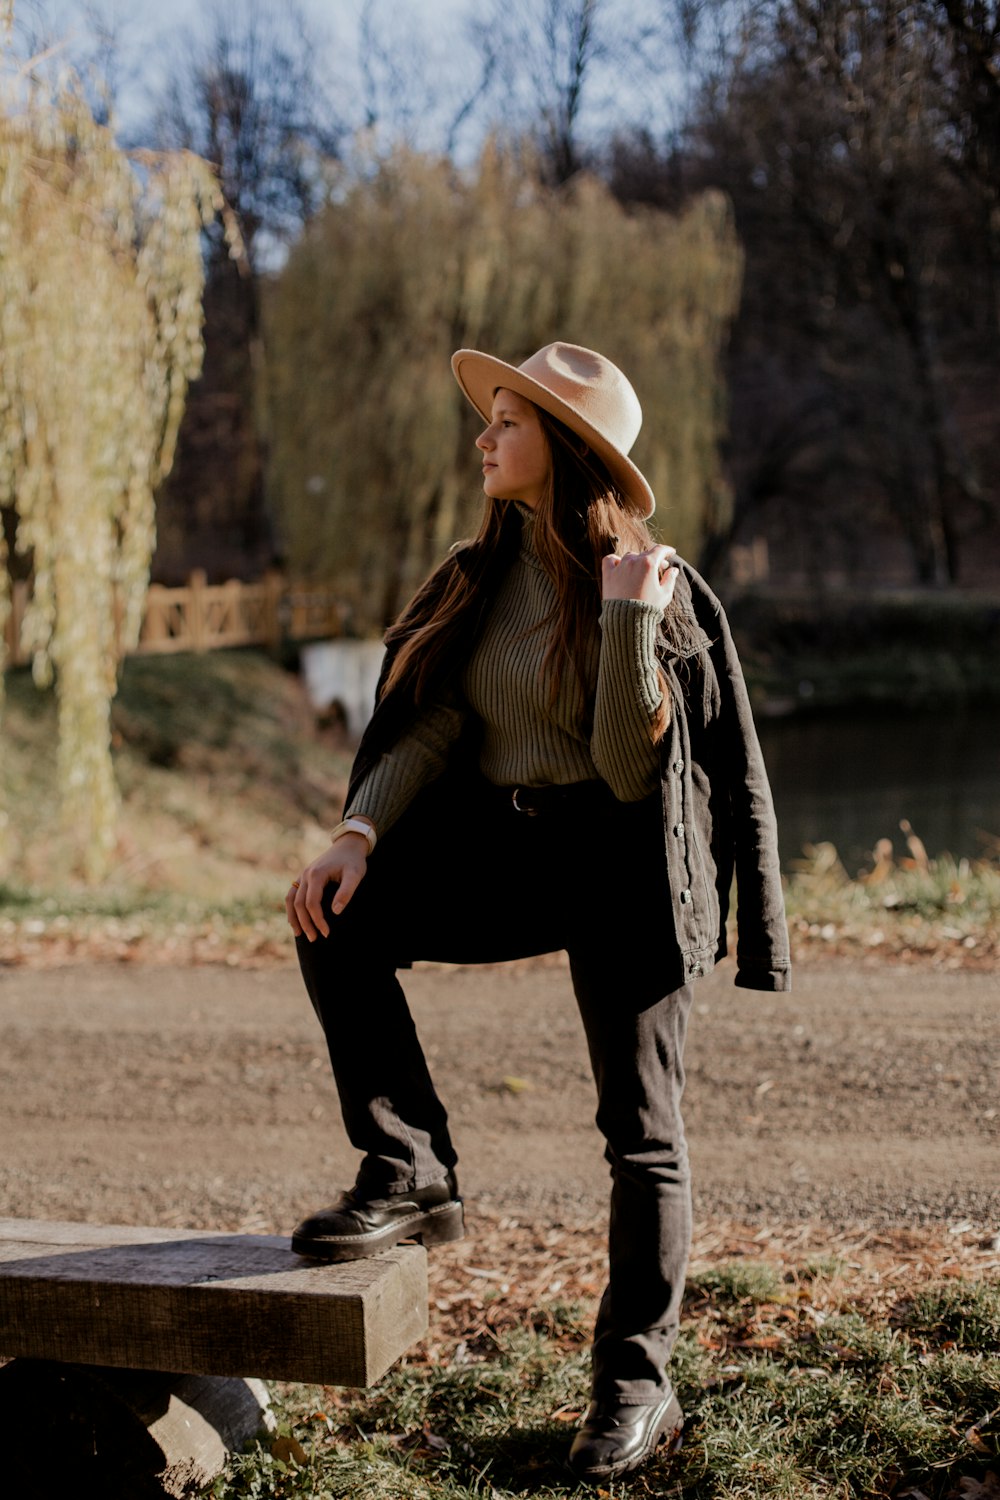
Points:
x=202, y=616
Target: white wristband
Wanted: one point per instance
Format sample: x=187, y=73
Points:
x=355, y=825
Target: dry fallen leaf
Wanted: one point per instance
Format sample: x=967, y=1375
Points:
x=974, y=1440
x=288, y=1448
x=421, y=1442
x=987, y=1488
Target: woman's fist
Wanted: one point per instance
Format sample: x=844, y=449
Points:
x=649, y=576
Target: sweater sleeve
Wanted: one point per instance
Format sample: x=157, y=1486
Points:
x=628, y=696
x=414, y=760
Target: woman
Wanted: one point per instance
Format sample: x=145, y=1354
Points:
x=562, y=756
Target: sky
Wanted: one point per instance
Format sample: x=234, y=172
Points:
x=148, y=32
x=435, y=59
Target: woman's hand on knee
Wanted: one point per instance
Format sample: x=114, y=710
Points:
x=344, y=864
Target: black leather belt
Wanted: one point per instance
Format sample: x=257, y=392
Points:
x=532, y=800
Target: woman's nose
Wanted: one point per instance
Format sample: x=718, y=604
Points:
x=485, y=439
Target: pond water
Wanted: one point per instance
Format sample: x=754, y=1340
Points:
x=849, y=777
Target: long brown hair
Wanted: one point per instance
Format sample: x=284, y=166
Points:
x=580, y=518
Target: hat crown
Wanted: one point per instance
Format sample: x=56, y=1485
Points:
x=594, y=387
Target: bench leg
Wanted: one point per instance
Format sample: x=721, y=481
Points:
x=122, y=1434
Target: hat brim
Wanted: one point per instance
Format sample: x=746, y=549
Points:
x=481, y=375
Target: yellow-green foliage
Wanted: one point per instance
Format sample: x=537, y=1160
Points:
x=374, y=472
x=100, y=333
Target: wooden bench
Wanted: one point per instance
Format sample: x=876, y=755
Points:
x=204, y=1317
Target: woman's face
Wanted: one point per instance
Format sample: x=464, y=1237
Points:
x=516, y=458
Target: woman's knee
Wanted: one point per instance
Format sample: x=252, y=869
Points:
x=645, y=1164
x=644, y=1134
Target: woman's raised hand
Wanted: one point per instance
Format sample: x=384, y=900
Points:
x=345, y=862
x=649, y=576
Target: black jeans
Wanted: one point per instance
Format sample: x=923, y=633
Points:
x=465, y=878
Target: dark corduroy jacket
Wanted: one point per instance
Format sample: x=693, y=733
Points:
x=718, y=816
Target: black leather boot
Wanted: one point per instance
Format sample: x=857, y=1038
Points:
x=615, y=1438
x=356, y=1226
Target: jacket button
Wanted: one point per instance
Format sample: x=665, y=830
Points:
x=677, y=766
x=678, y=830
x=685, y=898
x=695, y=971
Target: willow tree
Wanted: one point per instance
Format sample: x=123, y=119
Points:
x=100, y=333
x=373, y=471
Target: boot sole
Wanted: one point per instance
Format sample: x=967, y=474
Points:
x=433, y=1226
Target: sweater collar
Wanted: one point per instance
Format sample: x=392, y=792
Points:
x=527, y=552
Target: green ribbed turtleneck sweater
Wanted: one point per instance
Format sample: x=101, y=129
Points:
x=526, y=740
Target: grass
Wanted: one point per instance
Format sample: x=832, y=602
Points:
x=227, y=789
x=796, y=1382
x=941, y=909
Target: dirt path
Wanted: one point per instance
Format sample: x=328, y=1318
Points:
x=201, y=1096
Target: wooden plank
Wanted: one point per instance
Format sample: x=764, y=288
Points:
x=199, y=1303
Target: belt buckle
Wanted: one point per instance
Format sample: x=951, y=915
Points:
x=529, y=812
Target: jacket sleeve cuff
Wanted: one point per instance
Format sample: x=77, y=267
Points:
x=753, y=977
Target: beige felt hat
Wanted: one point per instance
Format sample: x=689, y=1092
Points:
x=583, y=389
